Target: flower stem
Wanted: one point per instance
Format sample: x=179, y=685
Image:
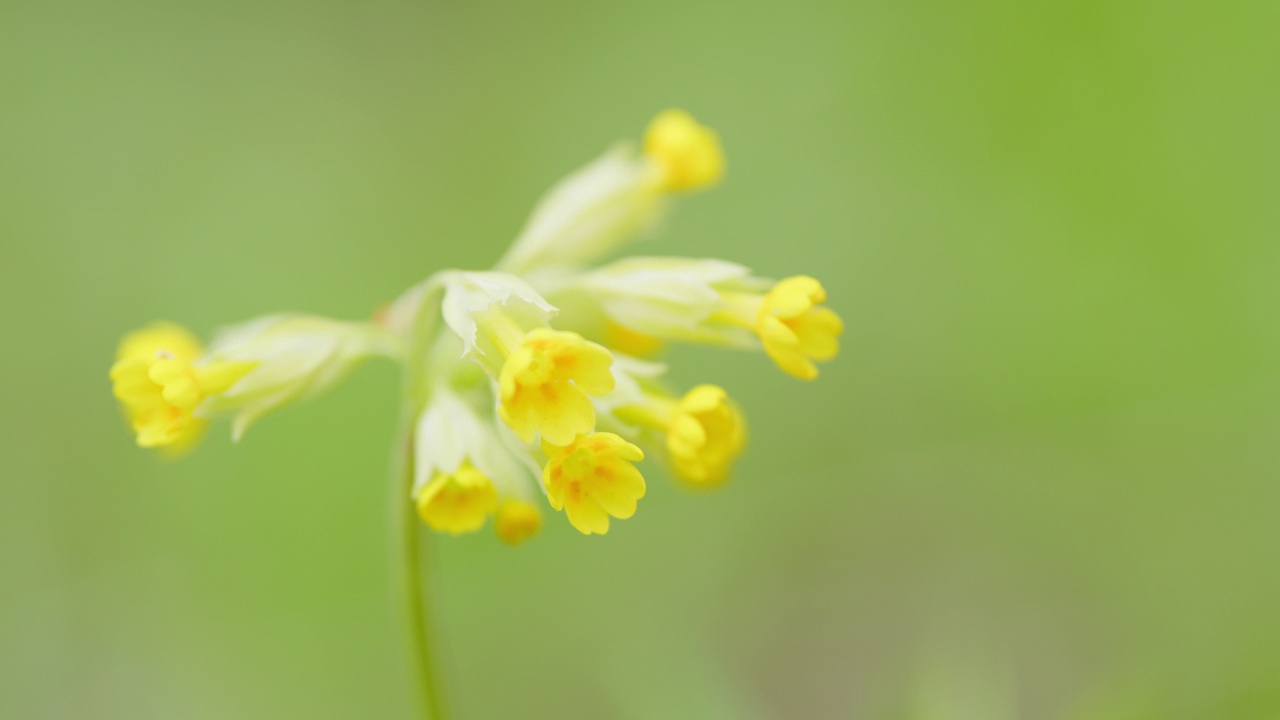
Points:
x=414, y=583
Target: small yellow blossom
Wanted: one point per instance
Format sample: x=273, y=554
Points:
x=705, y=434
x=688, y=153
x=796, y=328
x=593, y=478
x=718, y=303
x=517, y=521
x=159, y=382
x=704, y=431
x=457, y=502
x=544, y=376
x=465, y=470
x=545, y=383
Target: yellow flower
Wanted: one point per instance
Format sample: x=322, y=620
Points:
x=464, y=469
x=517, y=521
x=688, y=153
x=704, y=431
x=593, y=478
x=705, y=434
x=715, y=302
x=159, y=384
x=457, y=502
x=796, y=328
x=544, y=384
x=543, y=376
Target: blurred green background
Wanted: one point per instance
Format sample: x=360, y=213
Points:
x=1042, y=481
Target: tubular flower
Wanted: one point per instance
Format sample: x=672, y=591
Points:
x=718, y=303
x=621, y=195
x=544, y=385
x=544, y=376
x=688, y=153
x=705, y=434
x=592, y=478
x=463, y=468
x=169, y=386
x=459, y=502
x=517, y=521
x=161, y=384
x=523, y=382
x=701, y=433
x=796, y=328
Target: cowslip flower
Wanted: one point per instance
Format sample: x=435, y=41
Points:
x=169, y=386
x=545, y=377
x=524, y=385
x=465, y=467
x=593, y=478
x=511, y=369
x=162, y=379
x=719, y=303
x=703, y=431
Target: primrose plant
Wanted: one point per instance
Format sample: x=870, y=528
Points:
x=529, y=385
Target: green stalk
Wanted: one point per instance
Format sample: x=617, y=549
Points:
x=414, y=582
x=415, y=589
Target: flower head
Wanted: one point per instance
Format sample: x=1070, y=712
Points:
x=718, y=303
x=524, y=381
x=458, y=502
x=545, y=383
x=544, y=377
x=705, y=433
x=161, y=383
x=700, y=435
x=593, y=478
x=617, y=197
x=688, y=153
x=796, y=328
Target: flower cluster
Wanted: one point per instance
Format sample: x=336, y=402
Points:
x=533, y=380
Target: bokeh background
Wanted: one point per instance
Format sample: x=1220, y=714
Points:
x=1042, y=481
